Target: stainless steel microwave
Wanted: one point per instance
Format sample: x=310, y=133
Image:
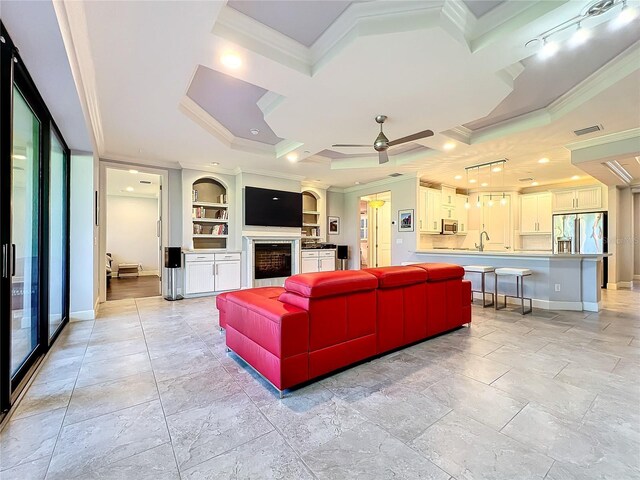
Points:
x=449, y=227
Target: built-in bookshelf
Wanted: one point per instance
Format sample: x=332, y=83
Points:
x=310, y=218
x=209, y=214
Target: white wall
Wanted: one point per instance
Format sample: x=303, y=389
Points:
x=636, y=236
x=83, y=277
x=132, y=231
x=620, y=237
x=174, y=217
x=404, y=194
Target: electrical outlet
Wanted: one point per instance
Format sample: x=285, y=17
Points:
x=398, y=240
x=557, y=287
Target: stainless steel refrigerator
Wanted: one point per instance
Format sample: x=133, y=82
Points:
x=586, y=231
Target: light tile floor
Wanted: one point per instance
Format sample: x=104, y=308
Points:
x=148, y=392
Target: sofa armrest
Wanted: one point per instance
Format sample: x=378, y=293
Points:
x=281, y=329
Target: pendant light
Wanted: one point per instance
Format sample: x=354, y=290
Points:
x=503, y=200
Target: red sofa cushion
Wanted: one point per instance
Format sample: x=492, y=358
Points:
x=221, y=300
x=441, y=271
x=389, y=277
x=326, y=284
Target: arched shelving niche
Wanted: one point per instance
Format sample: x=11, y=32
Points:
x=210, y=213
x=311, y=215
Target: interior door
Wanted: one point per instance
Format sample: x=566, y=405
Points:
x=159, y=235
x=384, y=238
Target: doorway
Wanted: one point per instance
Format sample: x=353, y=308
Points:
x=375, y=230
x=133, y=261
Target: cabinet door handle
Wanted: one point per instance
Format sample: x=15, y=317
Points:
x=5, y=261
x=13, y=259
x=420, y=224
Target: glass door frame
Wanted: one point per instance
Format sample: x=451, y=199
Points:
x=13, y=72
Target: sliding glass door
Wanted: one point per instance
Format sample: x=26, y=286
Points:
x=34, y=226
x=24, y=246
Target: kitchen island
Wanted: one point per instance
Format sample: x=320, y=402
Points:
x=558, y=282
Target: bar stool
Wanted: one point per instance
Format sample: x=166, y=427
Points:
x=482, y=270
x=519, y=273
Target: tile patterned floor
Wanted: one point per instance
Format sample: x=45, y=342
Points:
x=146, y=391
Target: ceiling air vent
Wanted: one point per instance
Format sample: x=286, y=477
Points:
x=395, y=174
x=584, y=131
x=528, y=179
x=145, y=182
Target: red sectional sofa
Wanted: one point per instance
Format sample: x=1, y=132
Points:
x=321, y=322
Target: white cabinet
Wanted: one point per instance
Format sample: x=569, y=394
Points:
x=462, y=213
x=429, y=214
x=448, y=196
x=578, y=199
x=209, y=273
x=449, y=213
x=318, y=261
x=535, y=213
x=199, y=277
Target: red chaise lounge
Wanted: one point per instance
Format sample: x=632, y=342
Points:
x=321, y=322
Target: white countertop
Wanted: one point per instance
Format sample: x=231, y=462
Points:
x=508, y=253
x=187, y=251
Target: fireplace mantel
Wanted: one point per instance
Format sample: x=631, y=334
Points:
x=250, y=238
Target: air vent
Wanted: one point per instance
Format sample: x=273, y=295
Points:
x=584, y=131
x=528, y=179
x=145, y=182
x=395, y=174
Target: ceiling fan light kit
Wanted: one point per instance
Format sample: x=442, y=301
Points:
x=381, y=144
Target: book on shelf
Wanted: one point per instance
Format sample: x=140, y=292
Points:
x=198, y=212
x=194, y=195
x=222, y=198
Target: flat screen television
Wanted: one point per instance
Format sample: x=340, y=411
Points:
x=272, y=208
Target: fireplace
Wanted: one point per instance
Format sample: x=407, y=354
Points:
x=272, y=260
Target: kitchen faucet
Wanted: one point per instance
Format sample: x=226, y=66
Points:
x=481, y=246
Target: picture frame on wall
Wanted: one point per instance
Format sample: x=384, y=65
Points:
x=405, y=220
x=333, y=225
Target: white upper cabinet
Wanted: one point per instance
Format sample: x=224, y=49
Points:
x=429, y=210
x=535, y=213
x=448, y=196
x=462, y=213
x=578, y=199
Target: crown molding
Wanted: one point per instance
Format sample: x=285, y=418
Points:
x=602, y=79
x=73, y=28
x=253, y=35
x=461, y=134
x=269, y=102
x=316, y=185
x=377, y=183
x=269, y=173
x=200, y=116
x=286, y=146
x=633, y=133
x=144, y=162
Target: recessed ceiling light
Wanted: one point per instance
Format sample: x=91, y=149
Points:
x=129, y=189
x=534, y=184
x=458, y=177
x=292, y=157
x=357, y=183
x=133, y=171
x=496, y=169
x=575, y=177
x=543, y=160
x=449, y=146
x=254, y=131
x=484, y=184
x=215, y=164
x=19, y=157
x=231, y=60
x=473, y=180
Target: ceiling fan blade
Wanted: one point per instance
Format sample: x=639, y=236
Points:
x=383, y=157
x=411, y=138
x=349, y=145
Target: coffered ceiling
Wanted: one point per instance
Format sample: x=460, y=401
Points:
x=315, y=73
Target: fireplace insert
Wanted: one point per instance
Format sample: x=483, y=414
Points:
x=272, y=260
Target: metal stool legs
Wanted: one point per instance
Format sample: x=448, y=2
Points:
x=484, y=292
x=518, y=296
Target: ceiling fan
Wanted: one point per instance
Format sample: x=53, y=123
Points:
x=382, y=143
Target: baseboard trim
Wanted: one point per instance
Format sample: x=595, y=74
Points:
x=592, y=306
x=612, y=286
x=557, y=305
x=625, y=284
x=636, y=278
x=82, y=315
